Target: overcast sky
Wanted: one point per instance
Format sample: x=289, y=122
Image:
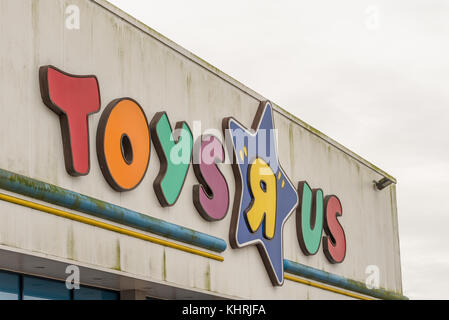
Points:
x=373, y=75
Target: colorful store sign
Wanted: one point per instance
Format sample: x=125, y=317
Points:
x=264, y=199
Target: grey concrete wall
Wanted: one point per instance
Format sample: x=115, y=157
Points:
x=131, y=60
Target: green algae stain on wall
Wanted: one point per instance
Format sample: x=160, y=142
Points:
x=208, y=278
x=71, y=244
x=164, y=267
x=117, y=266
x=291, y=146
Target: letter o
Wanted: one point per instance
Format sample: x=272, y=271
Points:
x=123, y=144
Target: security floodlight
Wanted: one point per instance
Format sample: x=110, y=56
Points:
x=383, y=183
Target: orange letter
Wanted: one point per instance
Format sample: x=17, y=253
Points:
x=123, y=144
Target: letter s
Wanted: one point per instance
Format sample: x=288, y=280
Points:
x=334, y=243
x=211, y=196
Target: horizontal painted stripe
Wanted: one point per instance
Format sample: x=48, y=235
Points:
x=324, y=287
x=106, y=226
x=338, y=281
x=72, y=200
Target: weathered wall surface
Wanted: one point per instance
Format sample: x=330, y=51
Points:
x=133, y=62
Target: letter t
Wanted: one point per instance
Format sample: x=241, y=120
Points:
x=73, y=98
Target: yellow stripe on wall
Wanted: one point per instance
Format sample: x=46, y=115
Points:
x=106, y=226
x=324, y=287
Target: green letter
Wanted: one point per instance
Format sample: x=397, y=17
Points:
x=174, y=149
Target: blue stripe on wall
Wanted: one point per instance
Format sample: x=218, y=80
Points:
x=338, y=281
x=72, y=200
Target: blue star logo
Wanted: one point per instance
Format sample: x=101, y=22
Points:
x=265, y=197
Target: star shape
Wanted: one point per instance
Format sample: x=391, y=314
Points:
x=250, y=147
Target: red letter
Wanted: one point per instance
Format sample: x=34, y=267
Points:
x=334, y=244
x=73, y=98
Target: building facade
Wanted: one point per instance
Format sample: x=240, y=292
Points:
x=134, y=166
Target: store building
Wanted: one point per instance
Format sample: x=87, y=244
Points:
x=130, y=162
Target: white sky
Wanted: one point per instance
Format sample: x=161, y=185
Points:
x=372, y=75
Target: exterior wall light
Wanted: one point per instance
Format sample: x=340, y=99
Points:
x=383, y=183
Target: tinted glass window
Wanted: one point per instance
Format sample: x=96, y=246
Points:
x=43, y=289
x=87, y=293
x=9, y=286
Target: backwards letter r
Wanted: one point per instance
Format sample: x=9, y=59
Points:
x=73, y=98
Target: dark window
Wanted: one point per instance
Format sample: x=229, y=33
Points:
x=88, y=293
x=14, y=286
x=9, y=286
x=43, y=289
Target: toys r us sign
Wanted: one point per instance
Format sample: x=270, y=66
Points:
x=264, y=199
